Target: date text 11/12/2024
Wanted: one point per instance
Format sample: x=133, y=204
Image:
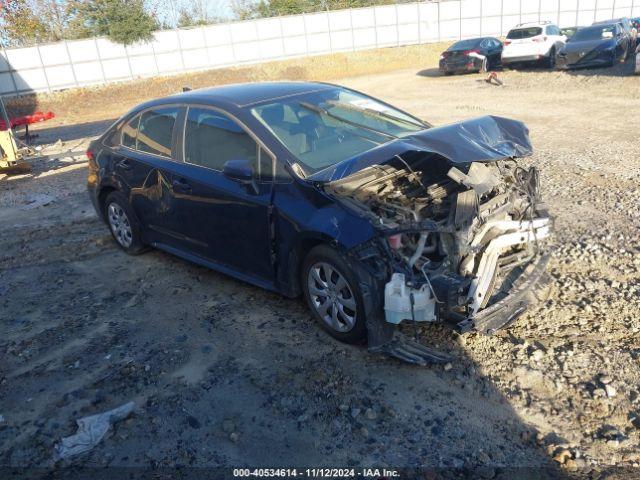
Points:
x=316, y=472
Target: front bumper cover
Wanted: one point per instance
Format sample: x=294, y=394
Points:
x=507, y=310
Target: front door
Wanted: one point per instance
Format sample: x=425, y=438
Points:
x=222, y=220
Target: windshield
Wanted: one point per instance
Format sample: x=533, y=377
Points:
x=465, y=44
x=520, y=33
x=324, y=128
x=594, y=33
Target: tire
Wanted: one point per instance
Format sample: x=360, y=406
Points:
x=323, y=271
x=551, y=61
x=122, y=222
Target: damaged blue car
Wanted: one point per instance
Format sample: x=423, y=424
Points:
x=374, y=216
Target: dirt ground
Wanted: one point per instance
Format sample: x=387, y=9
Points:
x=224, y=374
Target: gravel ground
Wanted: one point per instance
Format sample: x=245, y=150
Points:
x=225, y=374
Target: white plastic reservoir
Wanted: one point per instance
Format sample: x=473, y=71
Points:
x=397, y=301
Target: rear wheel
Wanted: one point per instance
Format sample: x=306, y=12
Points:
x=332, y=292
x=123, y=224
x=551, y=61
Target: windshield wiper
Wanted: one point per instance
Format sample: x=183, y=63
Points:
x=378, y=113
x=322, y=111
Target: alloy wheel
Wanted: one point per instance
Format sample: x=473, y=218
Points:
x=332, y=297
x=120, y=225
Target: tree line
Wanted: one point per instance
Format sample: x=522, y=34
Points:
x=27, y=22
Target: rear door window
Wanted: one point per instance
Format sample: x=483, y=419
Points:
x=155, y=131
x=521, y=33
x=211, y=138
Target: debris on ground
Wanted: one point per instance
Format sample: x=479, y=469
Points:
x=91, y=430
x=493, y=79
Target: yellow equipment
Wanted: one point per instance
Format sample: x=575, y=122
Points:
x=12, y=159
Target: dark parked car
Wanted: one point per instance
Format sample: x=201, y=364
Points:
x=374, y=216
x=629, y=30
x=472, y=55
x=568, y=31
x=595, y=46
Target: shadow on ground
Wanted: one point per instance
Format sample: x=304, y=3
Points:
x=71, y=133
x=431, y=73
x=223, y=374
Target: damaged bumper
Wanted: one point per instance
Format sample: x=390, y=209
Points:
x=505, y=311
x=500, y=250
x=472, y=62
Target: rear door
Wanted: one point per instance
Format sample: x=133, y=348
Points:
x=144, y=162
x=496, y=51
x=223, y=220
x=130, y=173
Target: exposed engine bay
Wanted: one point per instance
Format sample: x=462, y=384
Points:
x=458, y=238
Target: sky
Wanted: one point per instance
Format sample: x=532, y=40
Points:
x=167, y=10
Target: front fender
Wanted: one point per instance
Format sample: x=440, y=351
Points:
x=305, y=218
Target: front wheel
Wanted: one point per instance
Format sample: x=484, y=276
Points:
x=332, y=292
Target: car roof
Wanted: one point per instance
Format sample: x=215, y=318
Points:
x=246, y=94
x=533, y=24
x=476, y=39
x=600, y=25
x=612, y=20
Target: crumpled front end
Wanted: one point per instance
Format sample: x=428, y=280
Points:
x=463, y=243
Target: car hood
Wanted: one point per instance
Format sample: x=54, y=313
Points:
x=482, y=139
x=588, y=45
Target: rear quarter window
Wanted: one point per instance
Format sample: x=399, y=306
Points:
x=112, y=137
x=553, y=30
x=129, y=133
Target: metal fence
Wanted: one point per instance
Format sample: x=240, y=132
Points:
x=70, y=64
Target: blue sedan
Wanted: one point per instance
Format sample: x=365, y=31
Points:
x=312, y=189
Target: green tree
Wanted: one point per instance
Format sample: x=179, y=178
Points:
x=196, y=14
x=123, y=21
x=128, y=22
x=244, y=9
x=25, y=22
x=270, y=8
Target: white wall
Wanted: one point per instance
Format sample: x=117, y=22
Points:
x=71, y=64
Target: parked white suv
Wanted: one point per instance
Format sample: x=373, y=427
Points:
x=533, y=42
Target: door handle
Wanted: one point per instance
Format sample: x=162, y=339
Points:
x=181, y=186
x=124, y=164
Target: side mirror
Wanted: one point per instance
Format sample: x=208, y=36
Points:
x=240, y=171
